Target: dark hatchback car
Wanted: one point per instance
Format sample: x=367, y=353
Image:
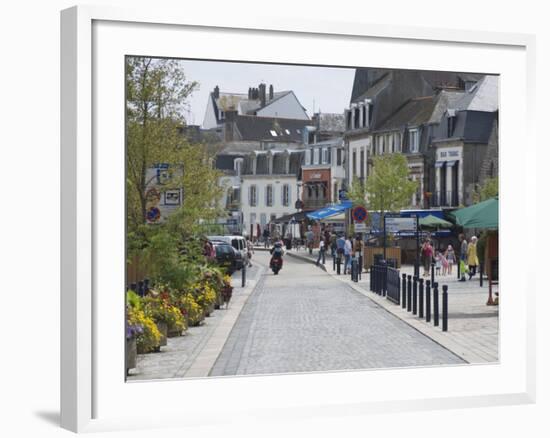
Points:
x=226, y=256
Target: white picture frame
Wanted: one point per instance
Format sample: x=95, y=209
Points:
x=83, y=386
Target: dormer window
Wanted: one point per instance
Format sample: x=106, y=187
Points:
x=238, y=166
x=451, y=122
x=273, y=133
x=413, y=140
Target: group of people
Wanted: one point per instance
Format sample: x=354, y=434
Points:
x=342, y=247
x=446, y=259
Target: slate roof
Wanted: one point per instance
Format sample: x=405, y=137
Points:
x=228, y=101
x=259, y=128
x=470, y=127
x=334, y=122
x=481, y=97
x=414, y=112
x=375, y=88
x=225, y=161
x=446, y=99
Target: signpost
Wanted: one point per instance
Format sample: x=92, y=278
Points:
x=359, y=214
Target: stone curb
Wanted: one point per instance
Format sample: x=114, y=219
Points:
x=306, y=259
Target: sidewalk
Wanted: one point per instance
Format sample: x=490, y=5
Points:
x=472, y=325
x=194, y=354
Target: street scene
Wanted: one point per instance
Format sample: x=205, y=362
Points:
x=268, y=236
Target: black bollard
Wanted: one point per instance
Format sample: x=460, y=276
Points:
x=360, y=266
x=333, y=262
x=415, y=294
x=444, y=312
x=338, y=263
x=371, y=278
x=433, y=272
x=420, y=297
x=385, y=280
x=409, y=292
x=436, y=305
x=244, y=276
x=404, y=291
x=428, y=301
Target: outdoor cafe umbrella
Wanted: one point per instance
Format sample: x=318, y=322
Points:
x=481, y=215
x=432, y=221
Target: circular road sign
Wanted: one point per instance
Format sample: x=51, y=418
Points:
x=359, y=214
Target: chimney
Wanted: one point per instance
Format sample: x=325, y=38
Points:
x=261, y=88
x=271, y=92
x=216, y=92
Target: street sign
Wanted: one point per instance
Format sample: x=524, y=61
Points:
x=360, y=228
x=359, y=214
x=396, y=224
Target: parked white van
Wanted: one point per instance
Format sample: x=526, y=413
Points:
x=237, y=242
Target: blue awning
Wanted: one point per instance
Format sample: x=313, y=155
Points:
x=329, y=211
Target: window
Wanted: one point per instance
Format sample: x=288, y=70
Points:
x=413, y=140
x=317, y=157
x=238, y=166
x=354, y=163
x=269, y=195
x=364, y=118
x=339, y=157
x=370, y=107
x=287, y=132
x=348, y=119
x=252, y=196
x=397, y=142
x=335, y=193
x=329, y=155
x=450, y=126
x=311, y=138
x=356, y=118
x=325, y=156
x=286, y=195
x=273, y=133
x=311, y=158
x=361, y=164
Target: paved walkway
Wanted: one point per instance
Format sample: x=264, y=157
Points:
x=194, y=354
x=304, y=320
x=473, y=332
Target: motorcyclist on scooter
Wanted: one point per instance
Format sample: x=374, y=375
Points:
x=277, y=253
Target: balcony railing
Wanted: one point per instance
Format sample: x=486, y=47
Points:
x=447, y=198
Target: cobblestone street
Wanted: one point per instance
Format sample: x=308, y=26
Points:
x=305, y=320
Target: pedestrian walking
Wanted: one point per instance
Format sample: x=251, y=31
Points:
x=463, y=256
x=266, y=237
x=333, y=245
x=321, y=255
x=438, y=263
x=450, y=258
x=473, y=261
x=309, y=239
x=427, y=256
x=347, y=255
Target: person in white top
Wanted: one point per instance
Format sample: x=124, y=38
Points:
x=321, y=252
x=347, y=255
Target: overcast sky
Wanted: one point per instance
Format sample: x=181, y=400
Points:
x=328, y=88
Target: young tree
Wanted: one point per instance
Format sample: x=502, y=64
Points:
x=156, y=93
x=388, y=186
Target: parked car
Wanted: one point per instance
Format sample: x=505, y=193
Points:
x=226, y=256
x=237, y=242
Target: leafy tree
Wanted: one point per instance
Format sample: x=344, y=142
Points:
x=156, y=91
x=388, y=187
x=488, y=190
x=357, y=192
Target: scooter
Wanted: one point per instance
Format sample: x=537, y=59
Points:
x=276, y=264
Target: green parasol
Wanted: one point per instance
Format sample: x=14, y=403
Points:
x=432, y=221
x=482, y=215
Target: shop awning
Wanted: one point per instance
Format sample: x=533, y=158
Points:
x=329, y=211
x=439, y=163
x=450, y=163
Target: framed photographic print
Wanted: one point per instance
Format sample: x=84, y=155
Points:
x=317, y=209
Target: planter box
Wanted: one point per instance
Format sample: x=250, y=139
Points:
x=131, y=354
x=393, y=252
